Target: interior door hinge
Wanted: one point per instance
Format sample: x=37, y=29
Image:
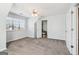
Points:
x=72, y=12
x=72, y=46
x=72, y=29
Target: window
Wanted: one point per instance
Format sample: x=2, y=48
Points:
x=15, y=24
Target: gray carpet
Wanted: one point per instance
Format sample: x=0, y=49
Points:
x=31, y=46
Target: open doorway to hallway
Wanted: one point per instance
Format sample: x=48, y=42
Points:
x=44, y=28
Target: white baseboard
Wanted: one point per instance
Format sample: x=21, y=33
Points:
x=16, y=39
x=2, y=49
x=56, y=39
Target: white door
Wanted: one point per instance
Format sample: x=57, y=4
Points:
x=74, y=30
x=71, y=30
x=68, y=31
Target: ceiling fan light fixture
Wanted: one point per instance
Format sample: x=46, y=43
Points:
x=35, y=12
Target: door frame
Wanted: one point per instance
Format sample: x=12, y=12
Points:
x=77, y=30
x=77, y=19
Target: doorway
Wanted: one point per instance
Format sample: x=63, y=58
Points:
x=44, y=28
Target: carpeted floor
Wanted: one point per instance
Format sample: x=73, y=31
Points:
x=31, y=46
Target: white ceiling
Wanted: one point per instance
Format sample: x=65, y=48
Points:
x=44, y=9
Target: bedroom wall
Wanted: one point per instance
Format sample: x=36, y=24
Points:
x=17, y=34
x=4, y=9
x=56, y=27
x=31, y=28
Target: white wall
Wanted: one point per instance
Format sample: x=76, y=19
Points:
x=39, y=28
x=56, y=27
x=4, y=9
x=17, y=34
x=31, y=28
